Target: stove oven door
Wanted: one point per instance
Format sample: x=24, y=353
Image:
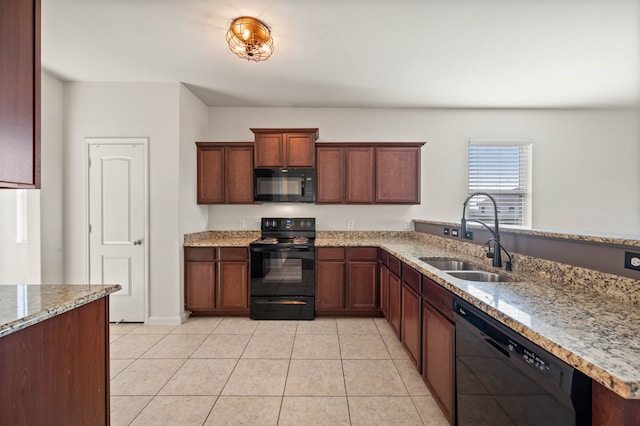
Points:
x=282, y=283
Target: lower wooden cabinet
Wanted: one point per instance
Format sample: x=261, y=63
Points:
x=383, y=274
x=411, y=326
x=330, y=279
x=56, y=372
x=438, y=346
x=395, y=302
x=609, y=409
x=346, y=281
x=216, y=280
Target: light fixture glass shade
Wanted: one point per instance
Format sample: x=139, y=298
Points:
x=250, y=39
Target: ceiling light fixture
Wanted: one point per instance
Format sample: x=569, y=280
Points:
x=250, y=39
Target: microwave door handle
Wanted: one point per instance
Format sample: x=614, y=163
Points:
x=302, y=185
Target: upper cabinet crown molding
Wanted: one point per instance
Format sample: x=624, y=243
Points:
x=20, y=94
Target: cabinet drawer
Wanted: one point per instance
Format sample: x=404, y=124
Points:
x=363, y=253
x=437, y=296
x=394, y=265
x=201, y=254
x=411, y=277
x=234, y=253
x=330, y=253
x=383, y=257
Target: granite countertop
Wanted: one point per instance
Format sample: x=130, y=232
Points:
x=22, y=306
x=221, y=239
x=591, y=330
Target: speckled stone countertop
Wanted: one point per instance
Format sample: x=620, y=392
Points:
x=588, y=319
x=22, y=306
x=221, y=238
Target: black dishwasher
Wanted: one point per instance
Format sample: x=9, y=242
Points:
x=504, y=379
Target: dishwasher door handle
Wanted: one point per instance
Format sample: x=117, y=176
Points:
x=495, y=345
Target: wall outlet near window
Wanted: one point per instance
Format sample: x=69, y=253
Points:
x=632, y=260
x=350, y=223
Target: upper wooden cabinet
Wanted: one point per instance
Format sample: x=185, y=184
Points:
x=20, y=94
x=225, y=173
x=368, y=173
x=285, y=147
x=398, y=175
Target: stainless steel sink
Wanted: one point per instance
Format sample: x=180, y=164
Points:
x=466, y=270
x=483, y=276
x=450, y=264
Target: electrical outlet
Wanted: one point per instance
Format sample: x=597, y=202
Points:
x=242, y=224
x=455, y=232
x=447, y=231
x=632, y=260
x=469, y=235
x=350, y=223
x=407, y=224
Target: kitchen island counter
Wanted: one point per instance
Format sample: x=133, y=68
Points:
x=54, y=347
x=24, y=305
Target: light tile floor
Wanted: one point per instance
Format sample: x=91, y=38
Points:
x=235, y=371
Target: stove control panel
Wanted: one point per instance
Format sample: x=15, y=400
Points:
x=288, y=224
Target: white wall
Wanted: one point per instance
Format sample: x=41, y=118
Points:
x=127, y=110
x=52, y=190
x=585, y=162
x=193, y=122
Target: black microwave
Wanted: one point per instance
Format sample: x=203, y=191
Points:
x=284, y=185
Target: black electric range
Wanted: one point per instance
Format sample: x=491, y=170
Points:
x=283, y=270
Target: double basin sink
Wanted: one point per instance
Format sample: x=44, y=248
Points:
x=466, y=270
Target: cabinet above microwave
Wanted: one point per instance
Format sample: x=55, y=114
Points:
x=284, y=147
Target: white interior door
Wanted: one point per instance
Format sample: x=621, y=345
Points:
x=117, y=224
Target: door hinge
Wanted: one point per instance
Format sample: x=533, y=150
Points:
x=89, y=228
x=89, y=162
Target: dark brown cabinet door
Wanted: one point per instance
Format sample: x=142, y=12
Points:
x=610, y=409
x=411, y=324
x=285, y=147
x=299, y=150
x=438, y=358
x=394, y=302
x=383, y=273
x=362, y=284
x=398, y=175
x=217, y=280
x=232, y=289
x=330, y=285
x=239, y=174
x=359, y=175
x=225, y=173
x=329, y=175
x=269, y=150
x=211, y=180
x=200, y=286
x=20, y=94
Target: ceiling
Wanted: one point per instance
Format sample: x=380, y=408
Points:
x=360, y=53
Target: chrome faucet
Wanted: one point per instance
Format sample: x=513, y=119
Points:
x=496, y=253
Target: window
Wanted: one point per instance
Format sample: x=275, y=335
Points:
x=501, y=168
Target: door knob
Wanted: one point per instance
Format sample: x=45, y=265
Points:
x=137, y=242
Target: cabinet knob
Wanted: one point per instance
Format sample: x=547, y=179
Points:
x=137, y=242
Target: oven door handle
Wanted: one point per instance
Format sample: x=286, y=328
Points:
x=280, y=250
x=280, y=302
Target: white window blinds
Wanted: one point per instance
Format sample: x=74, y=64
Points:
x=502, y=169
